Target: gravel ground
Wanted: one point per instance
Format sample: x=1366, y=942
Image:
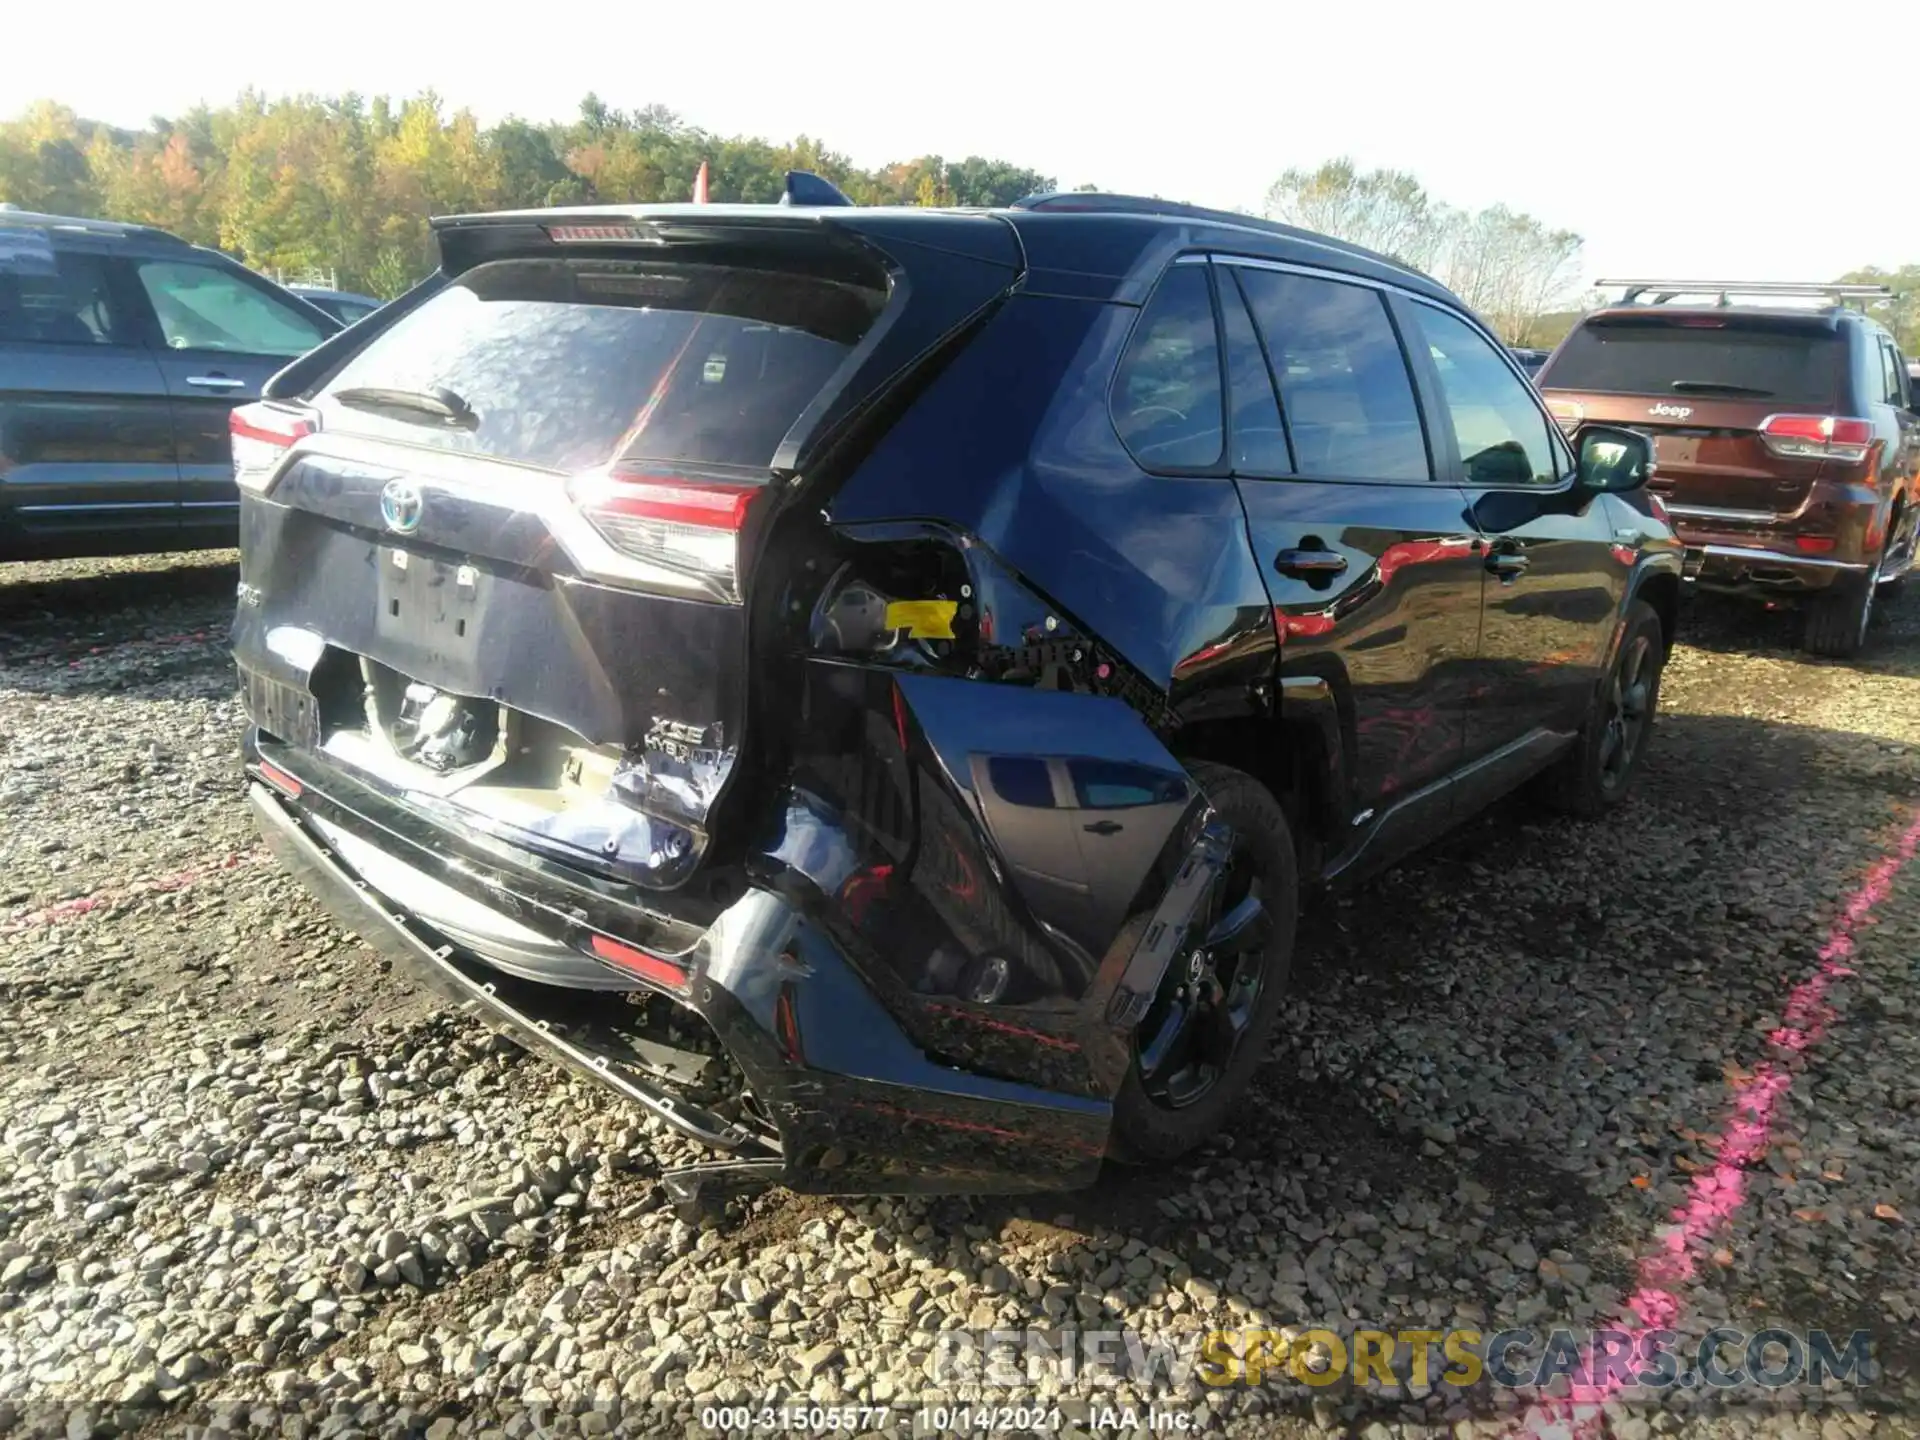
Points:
x=248, y=1178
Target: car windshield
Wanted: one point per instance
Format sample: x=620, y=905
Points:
x=1794, y=362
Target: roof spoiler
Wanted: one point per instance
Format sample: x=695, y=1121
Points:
x=806, y=188
x=1663, y=291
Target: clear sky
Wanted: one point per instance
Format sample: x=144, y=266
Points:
x=1688, y=138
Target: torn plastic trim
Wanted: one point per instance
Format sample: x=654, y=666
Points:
x=1198, y=875
x=925, y=596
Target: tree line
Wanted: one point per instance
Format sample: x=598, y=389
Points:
x=1509, y=267
x=346, y=183
x=1521, y=275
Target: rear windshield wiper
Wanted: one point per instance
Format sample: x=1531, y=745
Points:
x=1714, y=387
x=440, y=404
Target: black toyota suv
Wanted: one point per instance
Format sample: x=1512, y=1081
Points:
x=873, y=685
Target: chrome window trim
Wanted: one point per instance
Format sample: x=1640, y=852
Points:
x=1320, y=272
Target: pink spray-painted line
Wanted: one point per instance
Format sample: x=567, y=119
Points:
x=1717, y=1192
x=105, y=899
x=157, y=642
x=74, y=656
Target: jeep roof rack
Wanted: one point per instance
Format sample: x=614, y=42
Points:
x=1663, y=291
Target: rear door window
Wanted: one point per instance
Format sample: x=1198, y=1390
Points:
x=574, y=364
x=1892, y=382
x=1167, y=396
x=1344, y=387
x=1798, y=363
x=58, y=298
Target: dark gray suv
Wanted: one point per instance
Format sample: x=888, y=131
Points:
x=122, y=349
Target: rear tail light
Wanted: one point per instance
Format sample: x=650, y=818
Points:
x=1568, y=414
x=1818, y=437
x=689, y=530
x=262, y=434
x=1814, y=544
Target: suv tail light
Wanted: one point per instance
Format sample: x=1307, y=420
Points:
x=688, y=528
x=262, y=434
x=1818, y=437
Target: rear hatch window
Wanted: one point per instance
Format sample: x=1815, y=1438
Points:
x=574, y=364
x=1799, y=363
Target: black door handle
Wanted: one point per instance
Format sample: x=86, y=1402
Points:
x=1104, y=827
x=1309, y=562
x=1507, y=564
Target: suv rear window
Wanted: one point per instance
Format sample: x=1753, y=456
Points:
x=571, y=364
x=1759, y=358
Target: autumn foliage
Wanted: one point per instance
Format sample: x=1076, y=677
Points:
x=346, y=184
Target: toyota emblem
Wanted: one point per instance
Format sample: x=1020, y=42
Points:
x=400, y=506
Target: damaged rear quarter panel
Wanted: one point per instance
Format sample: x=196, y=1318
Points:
x=1015, y=447
x=962, y=829
x=997, y=939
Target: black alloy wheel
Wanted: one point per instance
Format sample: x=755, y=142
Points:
x=1205, y=1032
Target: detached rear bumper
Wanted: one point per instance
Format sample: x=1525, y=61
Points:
x=845, y=1101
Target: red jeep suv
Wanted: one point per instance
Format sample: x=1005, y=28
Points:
x=1785, y=439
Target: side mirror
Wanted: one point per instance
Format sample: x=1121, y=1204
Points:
x=1613, y=460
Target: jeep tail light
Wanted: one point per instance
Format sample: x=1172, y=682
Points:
x=1567, y=413
x=687, y=529
x=262, y=434
x=1818, y=437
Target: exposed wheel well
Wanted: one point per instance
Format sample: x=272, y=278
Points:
x=1286, y=758
x=1662, y=592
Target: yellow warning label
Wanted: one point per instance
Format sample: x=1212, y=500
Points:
x=922, y=619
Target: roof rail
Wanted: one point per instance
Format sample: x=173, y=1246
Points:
x=1663, y=291
x=84, y=225
x=1106, y=203
x=1100, y=202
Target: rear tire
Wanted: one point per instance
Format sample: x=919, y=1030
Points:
x=1596, y=774
x=1153, y=1120
x=1837, y=620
